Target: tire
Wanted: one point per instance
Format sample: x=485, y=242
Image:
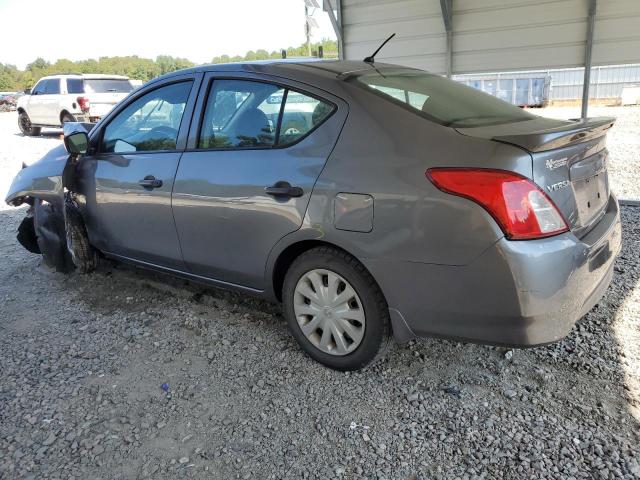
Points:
x=83, y=255
x=366, y=310
x=67, y=117
x=24, y=124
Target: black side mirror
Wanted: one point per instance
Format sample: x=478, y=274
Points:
x=76, y=140
x=27, y=91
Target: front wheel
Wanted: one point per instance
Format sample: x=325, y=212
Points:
x=335, y=309
x=25, y=126
x=83, y=255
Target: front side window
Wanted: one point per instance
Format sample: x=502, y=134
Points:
x=149, y=123
x=441, y=100
x=246, y=114
x=39, y=88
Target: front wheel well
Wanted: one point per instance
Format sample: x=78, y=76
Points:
x=288, y=255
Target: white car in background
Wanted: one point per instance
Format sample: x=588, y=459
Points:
x=58, y=99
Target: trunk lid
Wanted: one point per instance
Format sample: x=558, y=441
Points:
x=569, y=162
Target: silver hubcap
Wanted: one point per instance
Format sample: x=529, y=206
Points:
x=329, y=312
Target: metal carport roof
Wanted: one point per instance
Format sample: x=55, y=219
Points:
x=467, y=36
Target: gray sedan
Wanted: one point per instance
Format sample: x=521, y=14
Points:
x=371, y=200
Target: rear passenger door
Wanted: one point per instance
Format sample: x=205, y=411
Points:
x=246, y=177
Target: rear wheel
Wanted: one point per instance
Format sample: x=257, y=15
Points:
x=335, y=309
x=66, y=118
x=25, y=126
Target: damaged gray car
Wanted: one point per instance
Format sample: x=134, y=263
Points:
x=371, y=200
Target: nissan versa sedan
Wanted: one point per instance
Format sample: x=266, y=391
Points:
x=371, y=200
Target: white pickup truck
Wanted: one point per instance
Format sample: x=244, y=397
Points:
x=58, y=99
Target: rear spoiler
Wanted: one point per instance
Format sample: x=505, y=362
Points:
x=549, y=139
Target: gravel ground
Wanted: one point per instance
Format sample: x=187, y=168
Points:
x=83, y=360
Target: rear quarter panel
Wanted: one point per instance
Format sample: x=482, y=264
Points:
x=384, y=151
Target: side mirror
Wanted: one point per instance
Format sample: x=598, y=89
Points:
x=27, y=91
x=76, y=140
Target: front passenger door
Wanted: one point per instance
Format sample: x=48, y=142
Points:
x=128, y=180
x=35, y=108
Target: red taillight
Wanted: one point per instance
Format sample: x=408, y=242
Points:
x=520, y=207
x=83, y=102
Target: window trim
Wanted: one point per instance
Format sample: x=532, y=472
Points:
x=275, y=146
x=140, y=94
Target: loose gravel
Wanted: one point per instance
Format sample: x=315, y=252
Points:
x=130, y=374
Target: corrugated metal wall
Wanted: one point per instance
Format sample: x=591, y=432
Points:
x=566, y=84
x=420, y=36
x=492, y=35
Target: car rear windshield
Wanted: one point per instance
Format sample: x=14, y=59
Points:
x=104, y=85
x=441, y=100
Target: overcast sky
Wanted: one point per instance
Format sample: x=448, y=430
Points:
x=197, y=30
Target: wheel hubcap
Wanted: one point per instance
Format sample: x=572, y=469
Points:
x=329, y=312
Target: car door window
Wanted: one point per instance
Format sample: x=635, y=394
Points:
x=52, y=87
x=246, y=114
x=39, y=88
x=149, y=123
x=75, y=85
x=300, y=115
x=240, y=114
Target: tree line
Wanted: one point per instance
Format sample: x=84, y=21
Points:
x=12, y=79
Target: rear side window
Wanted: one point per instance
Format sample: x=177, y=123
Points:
x=301, y=114
x=149, y=123
x=249, y=114
x=441, y=100
x=107, y=85
x=52, y=86
x=240, y=114
x=75, y=85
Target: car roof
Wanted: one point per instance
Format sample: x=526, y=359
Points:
x=287, y=67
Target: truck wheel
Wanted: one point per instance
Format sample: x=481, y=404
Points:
x=335, y=309
x=24, y=123
x=83, y=255
x=66, y=118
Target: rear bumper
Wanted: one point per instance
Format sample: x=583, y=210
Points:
x=517, y=293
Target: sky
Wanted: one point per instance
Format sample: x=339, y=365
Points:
x=197, y=30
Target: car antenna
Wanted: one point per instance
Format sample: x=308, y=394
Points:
x=370, y=58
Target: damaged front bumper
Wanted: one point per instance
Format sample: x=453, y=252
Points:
x=43, y=186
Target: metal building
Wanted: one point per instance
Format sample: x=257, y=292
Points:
x=607, y=84
x=473, y=36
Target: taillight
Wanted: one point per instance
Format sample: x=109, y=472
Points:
x=520, y=207
x=84, y=104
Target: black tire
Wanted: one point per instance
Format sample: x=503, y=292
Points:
x=83, y=255
x=377, y=334
x=24, y=124
x=67, y=117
